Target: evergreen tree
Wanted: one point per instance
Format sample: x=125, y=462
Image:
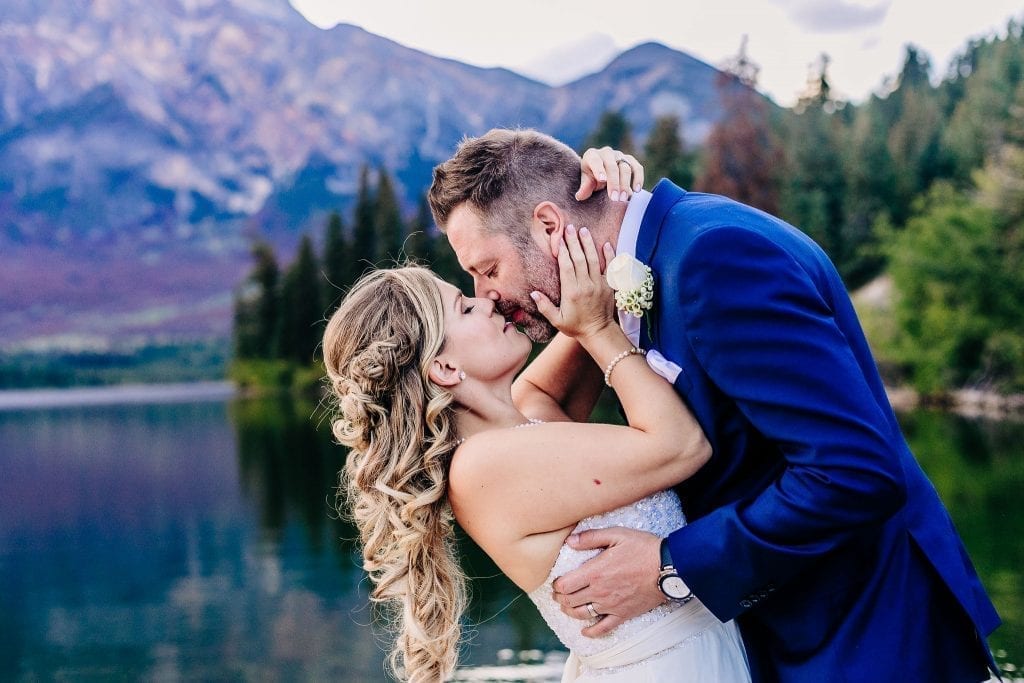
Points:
x=914, y=132
x=978, y=126
x=613, y=130
x=387, y=220
x=665, y=154
x=421, y=245
x=301, y=316
x=743, y=158
x=255, y=316
x=814, y=188
x=336, y=260
x=870, y=177
x=364, y=237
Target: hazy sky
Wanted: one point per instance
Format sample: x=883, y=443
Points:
x=864, y=38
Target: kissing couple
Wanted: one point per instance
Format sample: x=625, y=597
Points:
x=760, y=517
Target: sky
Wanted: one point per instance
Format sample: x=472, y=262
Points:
x=864, y=39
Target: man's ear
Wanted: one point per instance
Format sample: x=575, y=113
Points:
x=443, y=373
x=548, y=227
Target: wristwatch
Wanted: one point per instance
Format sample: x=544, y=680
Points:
x=669, y=581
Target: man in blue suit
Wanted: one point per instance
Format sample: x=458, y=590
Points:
x=812, y=525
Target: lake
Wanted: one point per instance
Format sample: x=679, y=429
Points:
x=196, y=540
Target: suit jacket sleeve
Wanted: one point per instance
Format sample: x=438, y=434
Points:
x=763, y=328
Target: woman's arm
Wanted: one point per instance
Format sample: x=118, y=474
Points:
x=506, y=485
x=564, y=380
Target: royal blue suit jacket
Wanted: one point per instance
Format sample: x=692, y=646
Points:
x=812, y=524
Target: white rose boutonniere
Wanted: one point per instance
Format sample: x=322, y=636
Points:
x=633, y=283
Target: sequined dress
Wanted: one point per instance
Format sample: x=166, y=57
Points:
x=672, y=642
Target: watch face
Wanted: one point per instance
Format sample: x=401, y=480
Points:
x=674, y=587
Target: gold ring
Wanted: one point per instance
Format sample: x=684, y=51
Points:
x=593, y=612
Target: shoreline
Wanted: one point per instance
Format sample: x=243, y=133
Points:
x=115, y=394
x=969, y=403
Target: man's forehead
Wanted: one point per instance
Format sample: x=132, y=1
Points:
x=468, y=237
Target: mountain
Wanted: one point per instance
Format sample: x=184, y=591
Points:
x=144, y=142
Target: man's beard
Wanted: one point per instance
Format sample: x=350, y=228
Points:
x=543, y=277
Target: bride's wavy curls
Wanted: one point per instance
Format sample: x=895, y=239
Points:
x=400, y=428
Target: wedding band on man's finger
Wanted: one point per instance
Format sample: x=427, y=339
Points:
x=592, y=611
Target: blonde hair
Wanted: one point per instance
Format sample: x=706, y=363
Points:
x=400, y=428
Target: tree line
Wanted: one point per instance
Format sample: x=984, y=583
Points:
x=280, y=313
x=923, y=182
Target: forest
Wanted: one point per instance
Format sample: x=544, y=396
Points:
x=917, y=192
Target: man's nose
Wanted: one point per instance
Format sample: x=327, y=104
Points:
x=484, y=291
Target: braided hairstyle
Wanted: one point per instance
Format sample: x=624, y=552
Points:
x=400, y=428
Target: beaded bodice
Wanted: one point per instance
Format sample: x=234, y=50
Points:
x=659, y=514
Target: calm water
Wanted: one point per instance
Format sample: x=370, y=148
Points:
x=195, y=541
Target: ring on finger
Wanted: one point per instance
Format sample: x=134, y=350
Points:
x=592, y=611
x=622, y=160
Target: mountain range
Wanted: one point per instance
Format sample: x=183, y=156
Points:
x=144, y=143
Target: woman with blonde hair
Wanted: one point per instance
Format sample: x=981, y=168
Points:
x=439, y=425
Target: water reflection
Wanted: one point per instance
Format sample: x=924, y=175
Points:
x=197, y=542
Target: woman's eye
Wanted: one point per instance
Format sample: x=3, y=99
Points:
x=469, y=309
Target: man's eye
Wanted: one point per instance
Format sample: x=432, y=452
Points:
x=492, y=272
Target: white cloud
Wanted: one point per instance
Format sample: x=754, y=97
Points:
x=836, y=16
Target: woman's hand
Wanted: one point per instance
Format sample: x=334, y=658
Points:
x=620, y=174
x=586, y=299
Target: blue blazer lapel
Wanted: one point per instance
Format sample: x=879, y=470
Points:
x=664, y=197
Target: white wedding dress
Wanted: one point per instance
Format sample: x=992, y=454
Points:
x=671, y=643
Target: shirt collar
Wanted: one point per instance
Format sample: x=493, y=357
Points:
x=630, y=229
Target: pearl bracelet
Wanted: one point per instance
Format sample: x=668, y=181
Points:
x=634, y=351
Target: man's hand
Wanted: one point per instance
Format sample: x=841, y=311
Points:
x=621, y=582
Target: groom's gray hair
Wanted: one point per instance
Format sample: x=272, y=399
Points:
x=504, y=174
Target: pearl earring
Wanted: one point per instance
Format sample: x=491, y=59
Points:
x=462, y=375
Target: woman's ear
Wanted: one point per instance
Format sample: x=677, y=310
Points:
x=548, y=227
x=443, y=374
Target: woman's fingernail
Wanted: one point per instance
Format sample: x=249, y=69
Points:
x=570, y=229
x=534, y=295
x=584, y=231
x=602, y=177
x=615, y=196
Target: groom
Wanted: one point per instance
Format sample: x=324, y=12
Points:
x=812, y=525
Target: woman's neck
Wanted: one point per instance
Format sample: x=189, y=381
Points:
x=486, y=410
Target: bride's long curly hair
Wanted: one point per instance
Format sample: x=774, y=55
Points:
x=400, y=428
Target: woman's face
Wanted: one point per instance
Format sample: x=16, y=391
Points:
x=477, y=338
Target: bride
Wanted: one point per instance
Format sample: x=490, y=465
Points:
x=427, y=398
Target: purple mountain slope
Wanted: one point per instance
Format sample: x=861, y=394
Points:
x=143, y=143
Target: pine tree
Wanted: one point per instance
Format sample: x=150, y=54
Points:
x=336, y=260
x=364, y=238
x=301, y=317
x=421, y=244
x=613, y=130
x=814, y=185
x=255, y=317
x=387, y=220
x=665, y=154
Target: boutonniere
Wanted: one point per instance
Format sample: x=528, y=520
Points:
x=633, y=283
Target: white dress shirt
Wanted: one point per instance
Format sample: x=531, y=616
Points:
x=628, y=234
